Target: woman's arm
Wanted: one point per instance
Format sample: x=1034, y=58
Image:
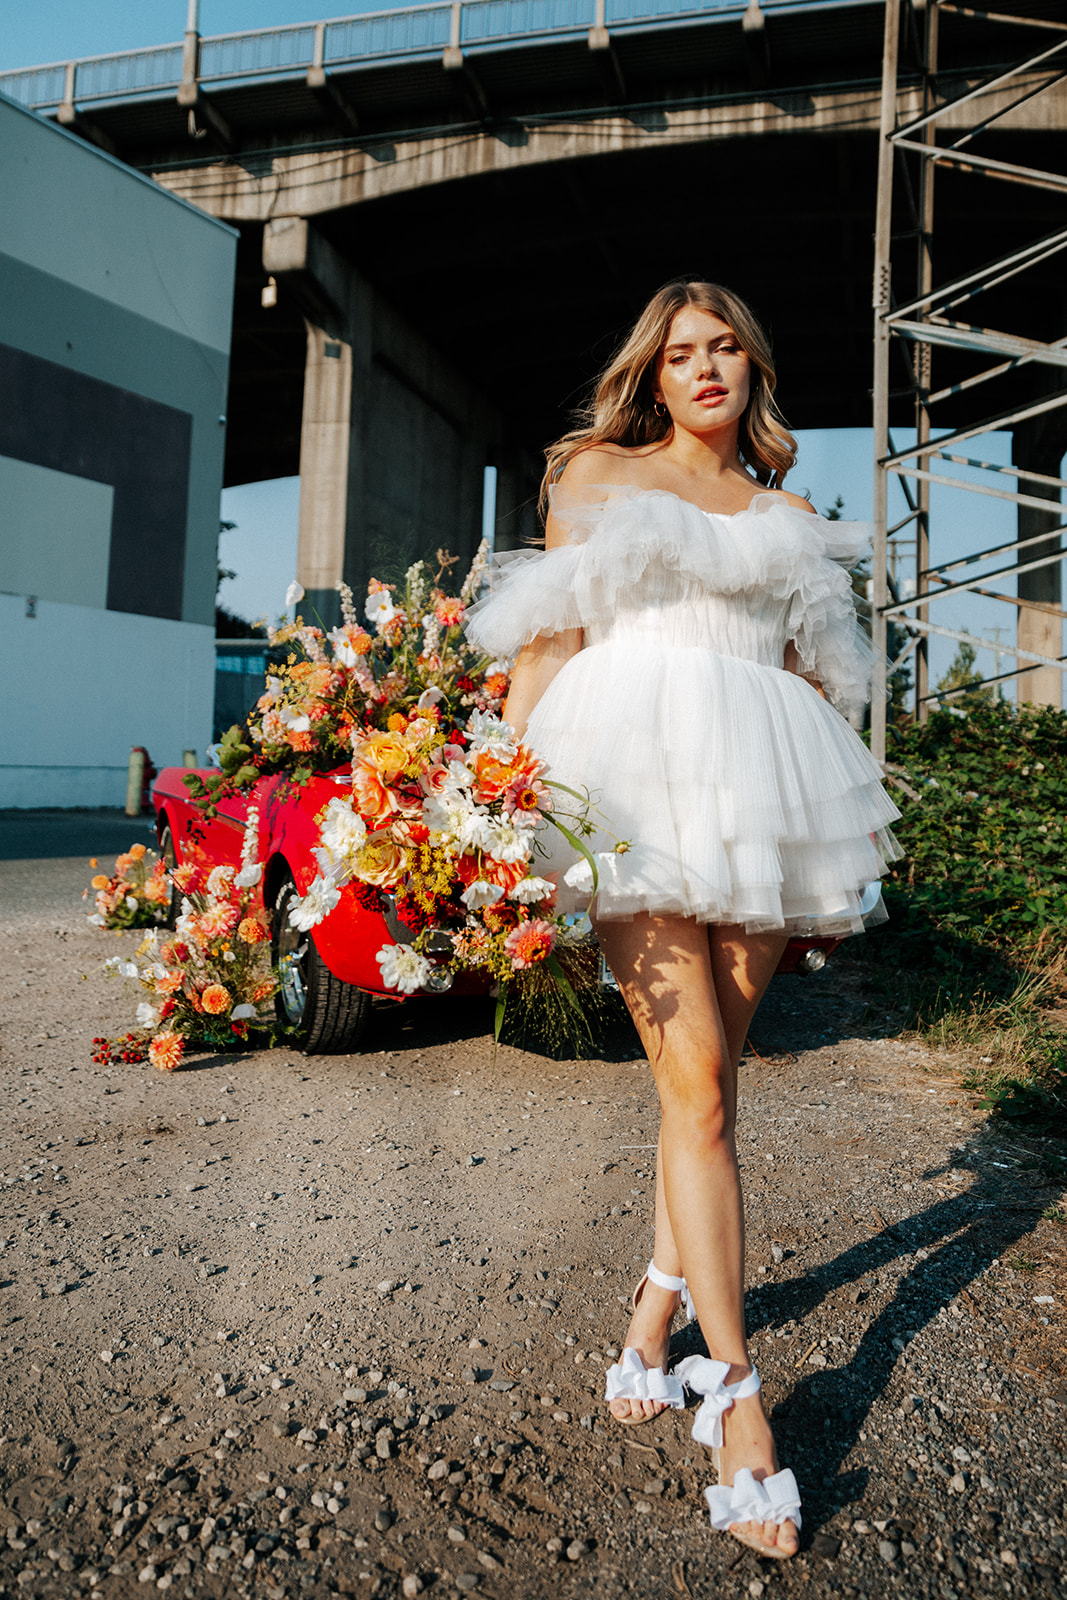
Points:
x=538, y=663
x=541, y=659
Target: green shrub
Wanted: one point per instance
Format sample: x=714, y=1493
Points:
x=977, y=936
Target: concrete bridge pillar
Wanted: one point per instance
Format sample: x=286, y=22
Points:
x=394, y=442
x=1038, y=445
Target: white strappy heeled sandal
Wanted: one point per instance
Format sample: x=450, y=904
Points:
x=629, y=1378
x=772, y=1499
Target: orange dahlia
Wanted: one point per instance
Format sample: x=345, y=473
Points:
x=252, y=931
x=215, y=999
x=529, y=943
x=165, y=1051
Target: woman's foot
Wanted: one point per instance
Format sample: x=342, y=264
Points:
x=749, y=1443
x=649, y=1334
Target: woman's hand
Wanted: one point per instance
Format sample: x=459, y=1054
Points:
x=792, y=664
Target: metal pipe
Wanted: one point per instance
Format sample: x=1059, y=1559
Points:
x=999, y=466
x=990, y=372
x=925, y=476
x=1002, y=16
x=1017, y=260
x=987, y=644
x=983, y=88
x=972, y=583
x=994, y=550
x=990, y=425
x=947, y=157
x=881, y=302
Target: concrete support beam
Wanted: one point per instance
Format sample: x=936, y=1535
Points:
x=394, y=443
x=1039, y=445
x=305, y=183
x=336, y=104
x=757, y=45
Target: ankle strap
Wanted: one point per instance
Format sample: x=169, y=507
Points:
x=663, y=1280
x=744, y=1386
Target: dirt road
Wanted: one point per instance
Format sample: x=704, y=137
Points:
x=287, y=1326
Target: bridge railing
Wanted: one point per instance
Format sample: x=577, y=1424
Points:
x=379, y=36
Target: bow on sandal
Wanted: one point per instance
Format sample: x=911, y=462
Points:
x=630, y=1379
x=775, y=1498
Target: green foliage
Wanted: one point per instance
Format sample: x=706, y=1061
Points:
x=984, y=836
x=235, y=771
x=977, y=938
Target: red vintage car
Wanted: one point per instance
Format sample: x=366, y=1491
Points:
x=328, y=976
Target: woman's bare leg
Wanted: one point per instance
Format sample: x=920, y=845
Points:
x=691, y=993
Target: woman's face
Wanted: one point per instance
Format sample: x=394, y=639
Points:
x=703, y=376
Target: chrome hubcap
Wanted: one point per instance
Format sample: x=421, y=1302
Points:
x=292, y=949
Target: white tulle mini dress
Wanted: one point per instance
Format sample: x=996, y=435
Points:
x=746, y=797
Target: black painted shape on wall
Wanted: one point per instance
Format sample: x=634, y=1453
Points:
x=52, y=417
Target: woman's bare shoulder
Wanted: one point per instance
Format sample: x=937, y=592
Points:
x=604, y=463
x=797, y=500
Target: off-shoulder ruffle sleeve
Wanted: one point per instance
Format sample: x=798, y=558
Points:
x=618, y=538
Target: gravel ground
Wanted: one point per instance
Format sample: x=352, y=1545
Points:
x=291, y=1326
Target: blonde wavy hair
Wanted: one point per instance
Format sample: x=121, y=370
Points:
x=622, y=408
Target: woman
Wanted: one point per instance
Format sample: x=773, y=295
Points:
x=681, y=638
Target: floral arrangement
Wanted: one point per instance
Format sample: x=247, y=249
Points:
x=135, y=895
x=206, y=985
x=335, y=687
x=447, y=821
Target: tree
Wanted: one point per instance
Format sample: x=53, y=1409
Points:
x=228, y=625
x=962, y=675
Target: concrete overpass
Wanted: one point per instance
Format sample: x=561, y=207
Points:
x=449, y=213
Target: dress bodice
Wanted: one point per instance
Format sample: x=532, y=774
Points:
x=645, y=566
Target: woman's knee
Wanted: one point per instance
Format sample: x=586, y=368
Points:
x=705, y=1120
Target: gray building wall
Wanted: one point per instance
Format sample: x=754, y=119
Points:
x=115, y=307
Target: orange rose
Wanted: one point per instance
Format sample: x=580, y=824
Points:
x=170, y=983
x=165, y=1051
x=493, y=776
x=374, y=802
x=299, y=739
x=122, y=864
x=137, y=852
x=251, y=931
x=215, y=999
x=100, y=881
x=380, y=861
x=386, y=753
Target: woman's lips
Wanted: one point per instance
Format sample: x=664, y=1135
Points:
x=711, y=395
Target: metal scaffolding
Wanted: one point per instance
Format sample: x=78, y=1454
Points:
x=930, y=121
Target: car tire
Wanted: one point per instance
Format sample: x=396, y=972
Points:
x=169, y=856
x=329, y=1017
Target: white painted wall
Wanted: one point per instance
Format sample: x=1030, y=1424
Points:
x=81, y=686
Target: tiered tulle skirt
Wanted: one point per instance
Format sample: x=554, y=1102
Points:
x=745, y=797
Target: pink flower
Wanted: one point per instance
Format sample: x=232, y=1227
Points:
x=449, y=613
x=529, y=943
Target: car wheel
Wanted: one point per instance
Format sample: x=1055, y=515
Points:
x=170, y=857
x=329, y=1017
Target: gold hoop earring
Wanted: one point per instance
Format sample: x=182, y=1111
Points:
x=659, y=408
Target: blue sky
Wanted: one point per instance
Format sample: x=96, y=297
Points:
x=262, y=548
x=42, y=31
